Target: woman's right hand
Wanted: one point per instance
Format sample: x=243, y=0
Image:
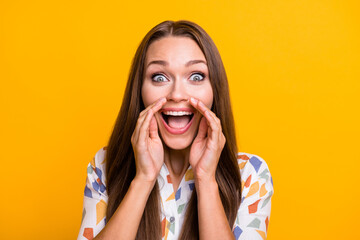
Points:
x=147, y=145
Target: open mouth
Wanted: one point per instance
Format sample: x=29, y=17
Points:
x=177, y=122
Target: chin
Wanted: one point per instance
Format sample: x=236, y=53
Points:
x=177, y=143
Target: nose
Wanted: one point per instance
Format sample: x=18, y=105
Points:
x=178, y=92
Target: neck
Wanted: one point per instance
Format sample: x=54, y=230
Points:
x=177, y=161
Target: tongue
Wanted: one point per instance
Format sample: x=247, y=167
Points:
x=179, y=121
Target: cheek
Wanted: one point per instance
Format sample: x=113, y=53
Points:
x=204, y=94
x=150, y=94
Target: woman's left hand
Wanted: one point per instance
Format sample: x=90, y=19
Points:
x=207, y=145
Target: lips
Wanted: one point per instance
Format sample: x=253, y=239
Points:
x=177, y=120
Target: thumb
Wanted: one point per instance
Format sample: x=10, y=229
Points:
x=153, y=128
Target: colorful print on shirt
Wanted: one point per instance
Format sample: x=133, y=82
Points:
x=253, y=215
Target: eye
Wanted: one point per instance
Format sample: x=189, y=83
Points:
x=156, y=77
x=197, y=77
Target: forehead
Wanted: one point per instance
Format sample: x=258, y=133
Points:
x=174, y=50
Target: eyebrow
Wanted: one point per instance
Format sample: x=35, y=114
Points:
x=164, y=63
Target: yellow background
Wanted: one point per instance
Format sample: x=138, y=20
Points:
x=293, y=69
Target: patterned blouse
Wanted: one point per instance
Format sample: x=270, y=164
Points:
x=253, y=214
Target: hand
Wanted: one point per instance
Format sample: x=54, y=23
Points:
x=147, y=145
x=207, y=145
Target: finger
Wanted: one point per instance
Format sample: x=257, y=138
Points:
x=207, y=113
x=145, y=128
x=159, y=101
x=195, y=103
x=213, y=132
x=203, y=129
x=155, y=106
x=158, y=105
x=153, y=129
x=200, y=106
x=213, y=115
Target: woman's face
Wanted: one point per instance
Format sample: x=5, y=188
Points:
x=176, y=68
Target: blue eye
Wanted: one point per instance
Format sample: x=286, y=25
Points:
x=198, y=77
x=161, y=77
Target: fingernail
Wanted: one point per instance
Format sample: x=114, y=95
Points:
x=193, y=100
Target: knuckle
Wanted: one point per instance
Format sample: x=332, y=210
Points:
x=217, y=120
x=138, y=120
x=143, y=112
x=138, y=123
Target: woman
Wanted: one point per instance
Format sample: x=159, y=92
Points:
x=171, y=169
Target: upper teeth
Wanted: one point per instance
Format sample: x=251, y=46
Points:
x=177, y=113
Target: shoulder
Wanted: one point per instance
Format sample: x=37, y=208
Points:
x=95, y=197
x=99, y=158
x=96, y=173
x=256, y=192
x=98, y=162
x=253, y=167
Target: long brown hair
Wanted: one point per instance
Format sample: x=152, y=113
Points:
x=120, y=161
